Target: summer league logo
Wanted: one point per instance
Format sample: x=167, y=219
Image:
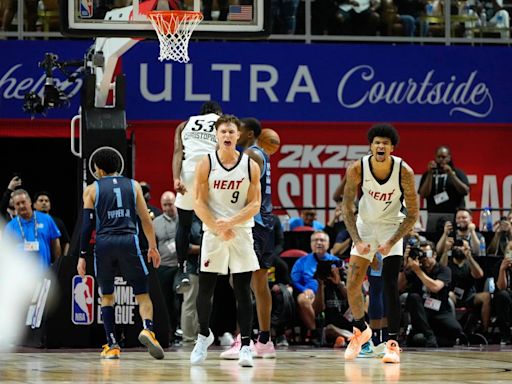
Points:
x=467, y=95
x=82, y=306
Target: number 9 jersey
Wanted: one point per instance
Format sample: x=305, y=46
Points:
x=228, y=188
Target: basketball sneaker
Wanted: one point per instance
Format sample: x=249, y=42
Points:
x=367, y=350
x=265, y=351
x=200, y=351
x=370, y=350
x=245, y=357
x=111, y=352
x=233, y=353
x=356, y=342
x=392, y=354
x=147, y=338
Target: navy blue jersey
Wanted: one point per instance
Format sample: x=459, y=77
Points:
x=115, y=206
x=265, y=216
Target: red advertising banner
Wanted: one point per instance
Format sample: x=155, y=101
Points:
x=313, y=157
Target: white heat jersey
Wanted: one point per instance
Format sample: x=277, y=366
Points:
x=198, y=138
x=228, y=188
x=382, y=200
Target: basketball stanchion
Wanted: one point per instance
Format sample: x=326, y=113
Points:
x=174, y=29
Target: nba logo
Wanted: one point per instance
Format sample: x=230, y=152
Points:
x=86, y=9
x=82, y=302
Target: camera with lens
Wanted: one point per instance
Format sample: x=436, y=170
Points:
x=52, y=95
x=416, y=253
x=324, y=267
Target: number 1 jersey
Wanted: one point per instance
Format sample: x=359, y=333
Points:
x=115, y=206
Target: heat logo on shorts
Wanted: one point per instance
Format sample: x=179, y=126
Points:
x=82, y=305
x=86, y=9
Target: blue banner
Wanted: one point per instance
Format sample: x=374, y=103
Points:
x=286, y=82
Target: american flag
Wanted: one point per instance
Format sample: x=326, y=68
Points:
x=240, y=13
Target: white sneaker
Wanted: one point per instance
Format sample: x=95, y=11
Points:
x=233, y=353
x=245, y=359
x=226, y=339
x=200, y=351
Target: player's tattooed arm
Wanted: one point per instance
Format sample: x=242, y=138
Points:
x=353, y=177
x=411, y=202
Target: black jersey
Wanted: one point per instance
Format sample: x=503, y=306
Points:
x=115, y=206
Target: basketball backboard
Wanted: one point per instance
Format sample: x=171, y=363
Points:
x=233, y=19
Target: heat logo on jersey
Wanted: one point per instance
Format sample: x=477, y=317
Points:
x=227, y=184
x=82, y=301
x=382, y=196
x=86, y=9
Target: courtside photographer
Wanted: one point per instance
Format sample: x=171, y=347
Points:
x=427, y=283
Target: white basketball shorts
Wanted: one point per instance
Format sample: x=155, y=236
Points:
x=376, y=234
x=236, y=254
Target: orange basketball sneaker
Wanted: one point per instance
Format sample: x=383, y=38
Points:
x=110, y=352
x=392, y=354
x=356, y=342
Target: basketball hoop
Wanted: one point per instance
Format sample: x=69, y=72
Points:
x=174, y=29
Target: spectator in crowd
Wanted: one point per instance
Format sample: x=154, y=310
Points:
x=409, y=12
x=465, y=270
x=189, y=321
x=502, y=236
x=284, y=20
x=6, y=206
x=444, y=187
x=503, y=295
x=283, y=303
x=43, y=203
x=152, y=210
x=496, y=14
x=331, y=299
x=305, y=283
x=223, y=8
x=342, y=245
x=33, y=232
x=465, y=230
x=336, y=224
x=427, y=283
x=342, y=241
x=165, y=232
x=307, y=219
x=358, y=17
x=11, y=7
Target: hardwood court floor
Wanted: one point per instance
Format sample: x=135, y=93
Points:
x=303, y=365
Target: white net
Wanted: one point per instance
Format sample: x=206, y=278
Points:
x=174, y=29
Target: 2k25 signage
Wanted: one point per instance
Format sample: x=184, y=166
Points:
x=286, y=82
